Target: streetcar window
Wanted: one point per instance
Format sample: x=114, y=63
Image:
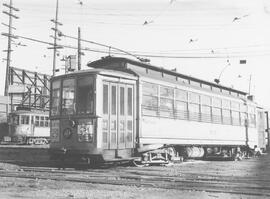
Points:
x=27, y=119
x=113, y=100
x=151, y=102
x=180, y=95
x=243, y=108
x=166, y=92
x=235, y=106
x=241, y=95
x=68, y=97
x=225, y=91
x=180, y=106
x=150, y=105
x=243, y=118
x=194, y=108
x=206, y=111
x=226, y=116
x=46, y=121
x=226, y=104
x=216, y=115
x=216, y=89
x=206, y=86
x=252, y=120
x=194, y=111
x=194, y=98
x=251, y=110
x=216, y=102
x=37, y=121
x=185, y=81
x=55, y=109
x=206, y=100
x=166, y=107
x=235, y=118
x=234, y=94
x=41, y=121
x=130, y=102
x=181, y=109
x=122, y=101
x=85, y=98
x=150, y=89
x=166, y=101
x=105, y=99
x=15, y=119
x=150, y=99
x=24, y=119
x=193, y=83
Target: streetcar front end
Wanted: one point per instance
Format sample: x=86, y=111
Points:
x=73, y=129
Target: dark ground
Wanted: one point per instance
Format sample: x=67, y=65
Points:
x=249, y=178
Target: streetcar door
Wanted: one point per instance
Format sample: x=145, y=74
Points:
x=125, y=116
x=118, y=116
x=105, y=118
x=113, y=116
x=129, y=117
x=121, y=116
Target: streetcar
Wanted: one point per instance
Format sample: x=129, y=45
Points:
x=29, y=127
x=121, y=109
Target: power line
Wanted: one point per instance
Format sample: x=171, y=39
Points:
x=137, y=52
x=107, y=46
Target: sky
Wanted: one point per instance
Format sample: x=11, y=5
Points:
x=202, y=38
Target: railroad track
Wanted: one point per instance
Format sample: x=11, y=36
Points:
x=140, y=178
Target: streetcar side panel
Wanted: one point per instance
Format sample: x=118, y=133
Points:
x=184, y=115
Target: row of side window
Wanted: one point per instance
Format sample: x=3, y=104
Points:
x=39, y=121
x=164, y=101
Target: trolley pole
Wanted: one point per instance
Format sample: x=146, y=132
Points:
x=79, y=48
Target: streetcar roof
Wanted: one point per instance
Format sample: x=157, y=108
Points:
x=141, y=69
x=106, y=72
x=33, y=112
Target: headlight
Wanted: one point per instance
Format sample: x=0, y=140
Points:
x=85, y=131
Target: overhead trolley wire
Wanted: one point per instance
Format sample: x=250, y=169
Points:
x=136, y=54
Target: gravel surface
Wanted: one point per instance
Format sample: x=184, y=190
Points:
x=237, y=179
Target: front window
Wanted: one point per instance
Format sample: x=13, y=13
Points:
x=68, y=97
x=55, y=109
x=15, y=119
x=85, y=92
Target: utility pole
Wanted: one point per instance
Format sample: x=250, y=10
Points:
x=79, y=48
x=55, y=37
x=249, y=85
x=10, y=37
